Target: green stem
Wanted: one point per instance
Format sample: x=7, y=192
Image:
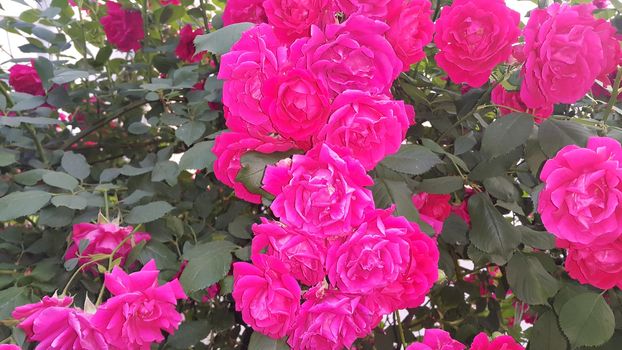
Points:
x=35, y=139
x=398, y=322
x=614, y=95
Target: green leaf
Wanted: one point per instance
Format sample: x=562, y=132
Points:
x=555, y=134
x=389, y=191
x=221, y=40
x=30, y=177
x=11, y=298
x=45, y=70
x=490, y=231
x=190, y=132
x=412, y=159
x=7, y=157
x=587, y=320
x=129, y=170
x=506, y=133
x=240, y=226
x=55, y=217
x=208, y=263
x=163, y=256
x=70, y=201
x=546, y=335
x=455, y=230
x=464, y=143
x=75, y=164
x=529, y=281
x=17, y=204
x=189, y=332
x=253, y=168
x=60, y=180
x=262, y=342
x=148, y=212
x=200, y=156
x=31, y=102
x=502, y=187
x=536, y=239
x=166, y=170
x=441, y=185
x=69, y=76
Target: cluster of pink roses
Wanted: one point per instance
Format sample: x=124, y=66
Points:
x=581, y=204
x=323, y=88
x=135, y=315
x=437, y=339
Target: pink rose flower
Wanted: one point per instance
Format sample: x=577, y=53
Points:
x=378, y=9
x=504, y=342
x=255, y=58
x=9, y=347
x=237, y=11
x=322, y=192
x=600, y=4
x=212, y=292
x=139, y=309
x=267, y=295
x=370, y=126
x=103, y=239
x=351, y=55
x=170, y=2
x=436, y=339
x=25, y=79
x=599, y=265
x=292, y=19
x=185, y=50
x=27, y=314
x=462, y=210
x=229, y=147
x=298, y=105
x=302, y=253
x=331, y=320
x=567, y=49
x=376, y=256
x=410, y=30
x=66, y=328
x=420, y=271
x=473, y=37
x=582, y=196
x=510, y=102
x=433, y=209
x=123, y=27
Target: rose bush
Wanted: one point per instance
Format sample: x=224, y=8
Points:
x=327, y=174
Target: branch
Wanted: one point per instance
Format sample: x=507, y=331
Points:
x=101, y=123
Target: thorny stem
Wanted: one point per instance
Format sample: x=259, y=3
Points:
x=614, y=95
x=398, y=322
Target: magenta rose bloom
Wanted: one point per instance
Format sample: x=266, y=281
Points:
x=433, y=209
x=267, y=295
x=27, y=314
x=237, y=11
x=411, y=269
x=123, y=27
x=9, y=347
x=473, y=37
x=370, y=126
x=510, y=102
x=504, y=342
x=351, y=55
x=255, y=58
x=298, y=105
x=410, y=30
x=103, y=239
x=378, y=9
x=304, y=254
x=25, y=79
x=170, y=2
x=375, y=256
x=331, y=320
x=185, y=50
x=567, y=49
x=599, y=265
x=582, y=196
x=436, y=339
x=229, y=147
x=66, y=328
x=139, y=309
x=292, y=19
x=322, y=192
